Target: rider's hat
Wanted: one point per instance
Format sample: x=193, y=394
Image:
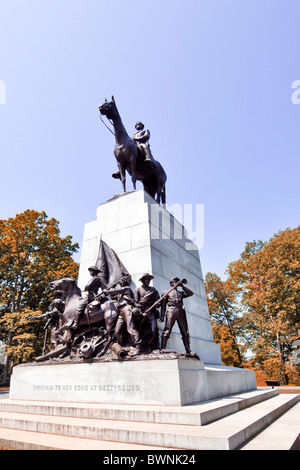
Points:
x=94, y=268
x=146, y=276
x=139, y=123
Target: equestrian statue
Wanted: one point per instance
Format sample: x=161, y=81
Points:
x=134, y=155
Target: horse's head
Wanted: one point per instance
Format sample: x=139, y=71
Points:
x=108, y=108
x=67, y=285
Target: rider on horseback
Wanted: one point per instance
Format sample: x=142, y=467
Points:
x=91, y=288
x=141, y=138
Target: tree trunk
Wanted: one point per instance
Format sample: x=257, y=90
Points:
x=6, y=360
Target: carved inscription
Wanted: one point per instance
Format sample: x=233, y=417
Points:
x=87, y=388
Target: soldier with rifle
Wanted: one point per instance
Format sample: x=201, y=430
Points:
x=175, y=312
x=54, y=320
x=144, y=297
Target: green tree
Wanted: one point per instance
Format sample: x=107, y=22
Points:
x=32, y=254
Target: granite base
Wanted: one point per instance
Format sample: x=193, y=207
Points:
x=152, y=382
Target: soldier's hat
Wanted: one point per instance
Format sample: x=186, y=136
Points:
x=175, y=279
x=146, y=276
x=94, y=268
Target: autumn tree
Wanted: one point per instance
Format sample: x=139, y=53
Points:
x=224, y=312
x=230, y=349
x=268, y=277
x=32, y=254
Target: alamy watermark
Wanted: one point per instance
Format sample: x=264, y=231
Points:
x=295, y=97
x=180, y=222
x=2, y=92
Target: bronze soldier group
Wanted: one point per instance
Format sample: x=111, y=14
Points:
x=135, y=324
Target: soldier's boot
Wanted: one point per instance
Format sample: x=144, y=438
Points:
x=138, y=349
x=164, y=340
x=74, y=325
x=67, y=351
x=149, y=157
x=186, y=343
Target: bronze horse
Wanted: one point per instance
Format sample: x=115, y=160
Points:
x=71, y=294
x=129, y=158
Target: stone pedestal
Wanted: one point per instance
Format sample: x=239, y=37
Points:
x=147, y=238
x=146, y=382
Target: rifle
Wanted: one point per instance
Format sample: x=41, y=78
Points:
x=158, y=302
x=45, y=341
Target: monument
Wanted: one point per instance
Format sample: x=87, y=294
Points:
x=135, y=327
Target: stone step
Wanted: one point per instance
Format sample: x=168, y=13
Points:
x=282, y=434
x=227, y=433
x=16, y=439
x=199, y=414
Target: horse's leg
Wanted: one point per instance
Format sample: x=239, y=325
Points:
x=163, y=196
x=158, y=193
x=122, y=169
x=133, y=170
x=122, y=176
x=68, y=343
x=110, y=318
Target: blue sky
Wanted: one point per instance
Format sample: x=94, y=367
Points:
x=211, y=79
